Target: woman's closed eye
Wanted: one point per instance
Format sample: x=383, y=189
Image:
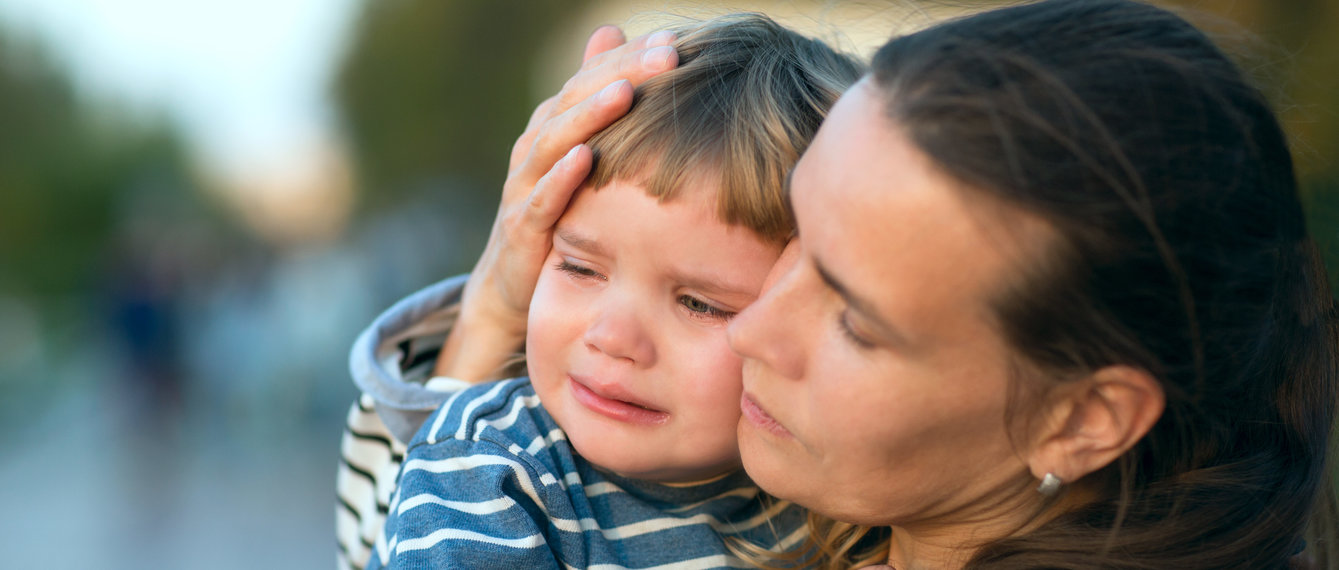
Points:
x=702, y=309
x=844, y=323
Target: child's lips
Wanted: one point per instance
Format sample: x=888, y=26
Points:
x=612, y=401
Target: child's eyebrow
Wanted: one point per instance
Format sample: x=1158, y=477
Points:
x=708, y=283
x=579, y=241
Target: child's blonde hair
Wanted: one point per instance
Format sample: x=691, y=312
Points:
x=744, y=102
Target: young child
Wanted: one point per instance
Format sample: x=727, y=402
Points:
x=619, y=448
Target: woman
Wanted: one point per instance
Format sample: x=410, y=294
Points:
x=1052, y=301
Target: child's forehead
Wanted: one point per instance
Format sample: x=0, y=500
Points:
x=625, y=219
x=694, y=205
x=664, y=173
x=701, y=190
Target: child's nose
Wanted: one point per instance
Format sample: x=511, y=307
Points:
x=619, y=332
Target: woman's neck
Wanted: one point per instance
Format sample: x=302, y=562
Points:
x=911, y=551
x=949, y=546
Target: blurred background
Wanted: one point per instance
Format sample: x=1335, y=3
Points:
x=202, y=203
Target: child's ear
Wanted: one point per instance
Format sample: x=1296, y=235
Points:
x=1091, y=422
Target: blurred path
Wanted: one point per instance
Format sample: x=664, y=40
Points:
x=87, y=487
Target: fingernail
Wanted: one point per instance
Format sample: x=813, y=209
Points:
x=570, y=156
x=657, y=57
x=610, y=91
x=661, y=38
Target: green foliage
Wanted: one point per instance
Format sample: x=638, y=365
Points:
x=65, y=166
x=435, y=90
x=1305, y=30
x=1322, y=204
x=1291, y=49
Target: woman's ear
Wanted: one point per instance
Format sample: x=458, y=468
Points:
x=1093, y=421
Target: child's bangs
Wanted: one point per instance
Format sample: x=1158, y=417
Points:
x=745, y=101
x=678, y=137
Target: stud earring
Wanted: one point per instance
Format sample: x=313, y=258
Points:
x=1050, y=485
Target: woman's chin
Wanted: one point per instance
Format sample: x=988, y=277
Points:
x=765, y=462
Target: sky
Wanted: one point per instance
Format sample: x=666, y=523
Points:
x=246, y=80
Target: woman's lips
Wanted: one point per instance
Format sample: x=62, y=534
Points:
x=614, y=408
x=760, y=418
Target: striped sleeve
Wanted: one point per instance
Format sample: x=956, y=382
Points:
x=466, y=504
x=370, y=458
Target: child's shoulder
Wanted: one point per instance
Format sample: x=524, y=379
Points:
x=506, y=412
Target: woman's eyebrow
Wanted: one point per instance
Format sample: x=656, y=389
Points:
x=580, y=241
x=862, y=306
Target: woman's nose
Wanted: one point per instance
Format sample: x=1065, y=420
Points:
x=767, y=331
x=618, y=331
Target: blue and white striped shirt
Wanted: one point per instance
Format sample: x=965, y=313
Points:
x=490, y=481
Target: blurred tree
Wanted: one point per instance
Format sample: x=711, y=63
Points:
x=94, y=201
x=66, y=167
x=437, y=90
x=1306, y=31
x=1295, y=55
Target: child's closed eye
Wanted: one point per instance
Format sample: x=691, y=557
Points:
x=576, y=270
x=702, y=309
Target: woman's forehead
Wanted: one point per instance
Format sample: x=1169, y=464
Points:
x=893, y=233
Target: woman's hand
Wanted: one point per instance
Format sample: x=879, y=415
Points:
x=547, y=164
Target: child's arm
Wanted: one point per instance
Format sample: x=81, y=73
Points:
x=470, y=495
x=466, y=504
x=547, y=164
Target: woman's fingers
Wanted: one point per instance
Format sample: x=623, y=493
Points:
x=572, y=127
x=537, y=118
x=603, y=39
x=554, y=191
x=635, y=61
x=590, y=100
x=637, y=45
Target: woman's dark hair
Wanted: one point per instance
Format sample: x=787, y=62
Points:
x=1180, y=249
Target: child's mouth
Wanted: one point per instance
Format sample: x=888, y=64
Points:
x=614, y=408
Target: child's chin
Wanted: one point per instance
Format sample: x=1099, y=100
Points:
x=660, y=472
x=618, y=462
x=644, y=460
